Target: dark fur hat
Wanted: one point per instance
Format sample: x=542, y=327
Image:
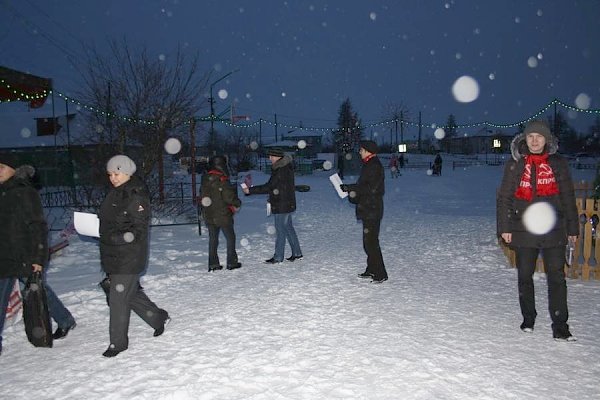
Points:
x=369, y=146
x=275, y=152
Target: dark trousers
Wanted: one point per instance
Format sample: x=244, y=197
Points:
x=126, y=294
x=213, y=244
x=554, y=260
x=375, y=264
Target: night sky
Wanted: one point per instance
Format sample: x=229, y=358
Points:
x=301, y=59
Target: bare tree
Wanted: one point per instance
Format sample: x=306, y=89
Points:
x=401, y=115
x=138, y=101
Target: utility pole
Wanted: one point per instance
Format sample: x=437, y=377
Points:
x=401, y=126
x=419, y=141
x=212, y=111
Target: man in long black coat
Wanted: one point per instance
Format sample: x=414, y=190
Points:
x=367, y=193
x=24, y=239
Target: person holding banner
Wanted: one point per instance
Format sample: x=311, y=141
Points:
x=367, y=193
x=124, y=222
x=24, y=239
x=281, y=188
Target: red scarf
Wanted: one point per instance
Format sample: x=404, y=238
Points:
x=545, y=180
x=221, y=175
x=367, y=158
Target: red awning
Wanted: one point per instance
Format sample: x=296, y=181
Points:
x=19, y=86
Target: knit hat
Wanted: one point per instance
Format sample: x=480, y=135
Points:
x=121, y=163
x=275, y=152
x=538, y=126
x=9, y=159
x=369, y=146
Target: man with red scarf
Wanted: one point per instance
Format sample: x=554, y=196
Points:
x=367, y=193
x=537, y=174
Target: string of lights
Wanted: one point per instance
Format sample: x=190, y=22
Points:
x=20, y=96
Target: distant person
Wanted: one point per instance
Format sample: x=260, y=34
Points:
x=535, y=174
x=393, y=164
x=401, y=161
x=367, y=193
x=124, y=221
x=24, y=240
x=219, y=203
x=437, y=165
x=281, y=189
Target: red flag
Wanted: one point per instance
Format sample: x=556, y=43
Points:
x=19, y=86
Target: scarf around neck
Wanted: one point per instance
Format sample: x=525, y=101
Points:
x=545, y=181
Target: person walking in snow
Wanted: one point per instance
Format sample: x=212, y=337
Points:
x=124, y=220
x=219, y=203
x=393, y=164
x=436, y=169
x=367, y=193
x=281, y=188
x=24, y=240
x=536, y=174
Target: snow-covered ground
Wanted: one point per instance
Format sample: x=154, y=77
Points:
x=445, y=326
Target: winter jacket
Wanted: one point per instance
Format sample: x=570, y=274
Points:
x=219, y=198
x=510, y=209
x=124, y=220
x=367, y=193
x=281, y=187
x=23, y=228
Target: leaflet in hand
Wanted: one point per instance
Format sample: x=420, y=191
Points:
x=86, y=224
x=336, y=181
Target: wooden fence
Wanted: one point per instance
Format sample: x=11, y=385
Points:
x=586, y=259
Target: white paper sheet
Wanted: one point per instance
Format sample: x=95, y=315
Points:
x=336, y=181
x=86, y=224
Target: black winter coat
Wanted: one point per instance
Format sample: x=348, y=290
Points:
x=367, y=193
x=124, y=220
x=23, y=228
x=222, y=198
x=281, y=187
x=510, y=209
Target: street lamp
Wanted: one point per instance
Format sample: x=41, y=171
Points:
x=497, y=145
x=212, y=108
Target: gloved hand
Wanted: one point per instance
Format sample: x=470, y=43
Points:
x=344, y=187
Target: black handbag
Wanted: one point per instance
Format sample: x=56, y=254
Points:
x=35, y=312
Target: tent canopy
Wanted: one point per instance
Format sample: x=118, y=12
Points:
x=19, y=86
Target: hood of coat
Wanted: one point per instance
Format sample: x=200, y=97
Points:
x=282, y=162
x=518, y=146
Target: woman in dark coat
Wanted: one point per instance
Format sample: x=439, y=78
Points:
x=219, y=202
x=534, y=155
x=281, y=188
x=124, y=219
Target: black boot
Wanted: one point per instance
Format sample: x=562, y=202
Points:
x=214, y=268
x=234, y=266
x=62, y=332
